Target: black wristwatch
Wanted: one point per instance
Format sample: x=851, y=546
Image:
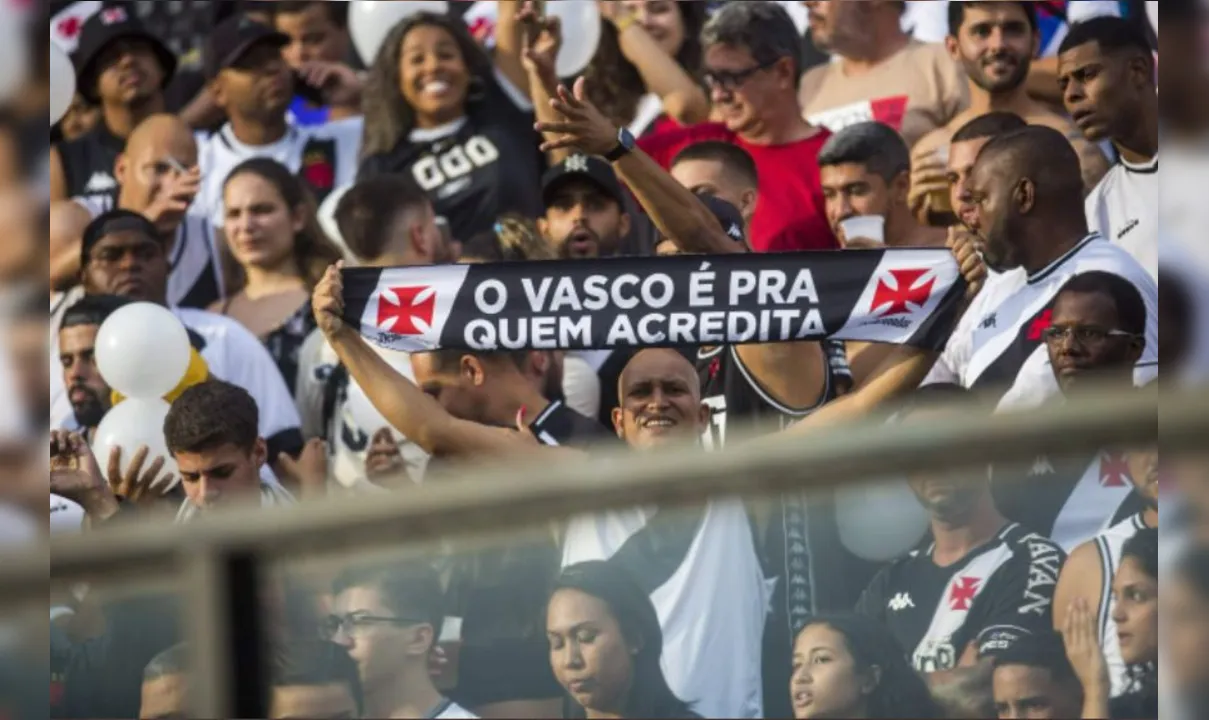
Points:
x=625, y=143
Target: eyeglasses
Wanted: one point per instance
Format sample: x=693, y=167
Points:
x=1084, y=335
x=357, y=625
x=730, y=80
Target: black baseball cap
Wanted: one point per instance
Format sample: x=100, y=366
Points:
x=102, y=29
x=589, y=167
x=728, y=216
x=117, y=220
x=233, y=38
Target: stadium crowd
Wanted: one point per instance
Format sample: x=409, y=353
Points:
x=389, y=261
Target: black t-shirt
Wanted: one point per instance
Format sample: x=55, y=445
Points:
x=88, y=161
x=476, y=169
x=560, y=425
x=992, y=596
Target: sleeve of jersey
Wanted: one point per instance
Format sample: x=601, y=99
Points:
x=308, y=394
x=252, y=368
x=1019, y=599
x=872, y=602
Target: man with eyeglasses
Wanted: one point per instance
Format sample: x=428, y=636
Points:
x=753, y=60
x=389, y=617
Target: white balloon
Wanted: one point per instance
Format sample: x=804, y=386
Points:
x=879, y=521
x=142, y=350
x=130, y=424
x=581, y=34
x=62, y=83
x=370, y=21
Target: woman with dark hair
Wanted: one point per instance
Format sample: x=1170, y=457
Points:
x=1135, y=594
x=439, y=111
x=644, y=75
x=1186, y=633
x=850, y=667
x=275, y=253
x=605, y=646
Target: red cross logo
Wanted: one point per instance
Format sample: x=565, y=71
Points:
x=69, y=26
x=1114, y=471
x=407, y=310
x=113, y=15
x=961, y=594
x=907, y=290
x=1040, y=324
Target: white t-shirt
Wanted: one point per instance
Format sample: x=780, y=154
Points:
x=348, y=442
x=449, y=710
x=219, y=153
x=999, y=342
x=1124, y=208
x=231, y=352
x=709, y=593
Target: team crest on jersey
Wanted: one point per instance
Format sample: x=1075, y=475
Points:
x=962, y=592
x=318, y=168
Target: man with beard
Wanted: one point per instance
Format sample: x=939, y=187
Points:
x=865, y=170
x=660, y=403
x=1025, y=196
x=995, y=43
x=86, y=389
x=1089, y=574
x=124, y=68
x=1094, y=341
x=254, y=86
x=977, y=584
x=881, y=73
x=1107, y=75
x=123, y=254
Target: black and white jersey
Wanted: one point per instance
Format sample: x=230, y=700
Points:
x=324, y=157
x=475, y=168
x=1124, y=208
x=1110, y=545
x=999, y=345
x=88, y=161
x=560, y=425
x=194, y=263
x=1070, y=501
x=989, y=599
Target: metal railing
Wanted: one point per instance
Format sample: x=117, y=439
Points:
x=216, y=559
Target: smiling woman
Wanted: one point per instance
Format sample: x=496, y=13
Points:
x=437, y=110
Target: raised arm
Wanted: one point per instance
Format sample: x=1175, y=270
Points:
x=409, y=409
x=679, y=215
x=683, y=99
x=510, y=44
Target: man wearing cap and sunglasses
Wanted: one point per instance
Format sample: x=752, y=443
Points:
x=252, y=83
x=123, y=68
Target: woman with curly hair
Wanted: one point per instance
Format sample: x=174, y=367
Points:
x=275, y=253
x=850, y=667
x=645, y=72
x=440, y=110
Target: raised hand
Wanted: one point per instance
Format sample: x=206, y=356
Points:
x=172, y=197
x=339, y=83
x=309, y=471
x=137, y=486
x=543, y=39
x=961, y=243
x=583, y=125
x=327, y=302
x=1083, y=648
x=74, y=474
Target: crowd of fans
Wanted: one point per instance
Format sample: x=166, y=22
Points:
x=236, y=177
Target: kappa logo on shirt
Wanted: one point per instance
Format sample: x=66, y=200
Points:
x=407, y=310
x=988, y=322
x=901, y=601
x=962, y=592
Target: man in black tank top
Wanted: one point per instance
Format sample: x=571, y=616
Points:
x=123, y=68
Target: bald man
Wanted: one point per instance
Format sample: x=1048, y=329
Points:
x=158, y=178
x=1026, y=198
